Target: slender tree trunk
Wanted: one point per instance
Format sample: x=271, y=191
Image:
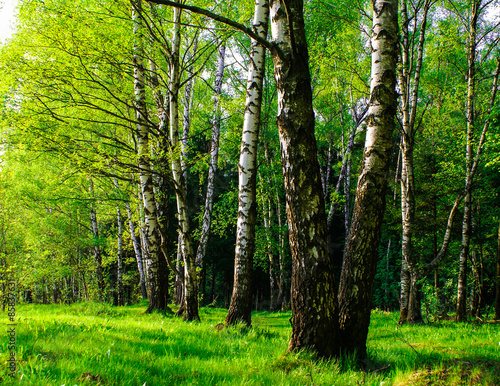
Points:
x=410, y=309
x=497, y=295
x=214, y=159
x=404, y=294
x=387, y=274
x=461, y=314
x=273, y=260
x=97, y=250
x=119, y=274
x=158, y=299
x=313, y=293
x=282, y=298
x=361, y=251
x=240, y=308
x=189, y=308
x=137, y=251
x=179, y=277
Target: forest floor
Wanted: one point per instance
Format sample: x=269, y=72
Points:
x=98, y=344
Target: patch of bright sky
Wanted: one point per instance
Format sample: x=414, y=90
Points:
x=7, y=18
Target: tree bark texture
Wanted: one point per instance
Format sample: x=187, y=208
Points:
x=313, y=293
x=190, y=302
x=214, y=159
x=361, y=250
x=137, y=251
x=157, y=299
x=497, y=297
x=461, y=313
x=119, y=269
x=410, y=308
x=241, y=299
x=97, y=249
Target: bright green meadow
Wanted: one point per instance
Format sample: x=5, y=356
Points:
x=98, y=344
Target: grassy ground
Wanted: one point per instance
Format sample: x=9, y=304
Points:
x=95, y=344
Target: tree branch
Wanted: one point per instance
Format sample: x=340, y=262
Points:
x=221, y=19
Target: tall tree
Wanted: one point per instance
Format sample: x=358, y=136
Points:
x=313, y=292
x=361, y=250
x=189, y=308
x=241, y=299
x=410, y=291
x=461, y=313
x=158, y=297
x=214, y=159
x=497, y=294
x=97, y=248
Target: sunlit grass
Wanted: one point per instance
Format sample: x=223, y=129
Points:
x=91, y=344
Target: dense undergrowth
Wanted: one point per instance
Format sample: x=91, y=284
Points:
x=97, y=344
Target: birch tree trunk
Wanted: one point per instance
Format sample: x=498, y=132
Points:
x=119, y=272
x=137, y=251
x=240, y=308
x=410, y=309
x=158, y=300
x=96, y=248
x=189, y=308
x=361, y=250
x=497, y=295
x=214, y=159
x=461, y=313
x=313, y=295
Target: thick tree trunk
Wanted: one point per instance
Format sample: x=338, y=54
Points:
x=361, y=251
x=313, y=292
x=189, y=308
x=214, y=159
x=461, y=313
x=241, y=299
x=158, y=299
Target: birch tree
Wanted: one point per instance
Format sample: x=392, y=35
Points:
x=410, y=288
x=313, y=300
x=497, y=292
x=119, y=255
x=241, y=299
x=189, y=308
x=96, y=248
x=360, y=254
x=137, y=251
x=157, y=297
x=313, y=293
x=461, y=313
x=214, y=159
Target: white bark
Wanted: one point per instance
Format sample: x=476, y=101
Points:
x=214, y=159
x=240, y=308
x=137, y=251
x=190, y=306
x=145, y=175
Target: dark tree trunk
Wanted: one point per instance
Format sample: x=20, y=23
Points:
x=313, y=292
x=361, y=250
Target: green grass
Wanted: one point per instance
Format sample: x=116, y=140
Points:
x=96, y=344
